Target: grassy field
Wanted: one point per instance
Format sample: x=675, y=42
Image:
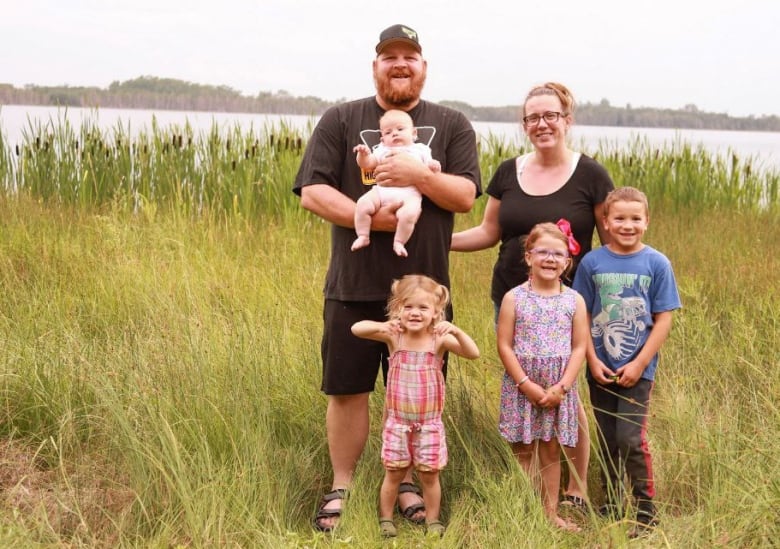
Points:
x=160, y=319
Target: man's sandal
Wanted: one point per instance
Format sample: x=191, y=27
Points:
x=322, y=513
x=387, y=528
x=409, y=512
x=436, y=528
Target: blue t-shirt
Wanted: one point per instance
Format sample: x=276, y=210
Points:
x=622, y=292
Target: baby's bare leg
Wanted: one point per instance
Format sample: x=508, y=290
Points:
x=407, y=215
x=366, y=206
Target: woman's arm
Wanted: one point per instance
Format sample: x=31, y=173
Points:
x=580, y=334
x=485, y=235
x=598, y=215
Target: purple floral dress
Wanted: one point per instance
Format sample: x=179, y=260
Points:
x=542, y=344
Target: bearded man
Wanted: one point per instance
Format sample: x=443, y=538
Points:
x=357, y=283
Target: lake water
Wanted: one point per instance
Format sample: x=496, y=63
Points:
x=762, y=147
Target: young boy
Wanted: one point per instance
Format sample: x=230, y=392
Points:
x=630, y=293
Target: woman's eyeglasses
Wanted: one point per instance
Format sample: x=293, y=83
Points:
x=549, y=116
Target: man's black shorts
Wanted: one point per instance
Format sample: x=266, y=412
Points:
x=350, y=364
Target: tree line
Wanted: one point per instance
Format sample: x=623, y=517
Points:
x=149, y=92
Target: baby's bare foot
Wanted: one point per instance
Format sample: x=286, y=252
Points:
x=399, y=249
x=360, y=242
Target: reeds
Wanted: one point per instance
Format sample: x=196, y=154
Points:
x=684, y=176
x=242, y=172
x=248, y=172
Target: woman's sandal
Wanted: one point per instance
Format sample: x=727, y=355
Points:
x=322, y=513
x=409, y=512
x=574, y=502
x=387, y=528
x=436, y=528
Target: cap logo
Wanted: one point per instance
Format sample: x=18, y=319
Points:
x=409, y=33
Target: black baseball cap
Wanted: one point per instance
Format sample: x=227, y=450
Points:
x=398, y=33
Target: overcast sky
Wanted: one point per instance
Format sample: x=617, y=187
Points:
x=720, y=55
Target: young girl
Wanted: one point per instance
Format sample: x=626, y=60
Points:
x=542, y=336
x=417, y=337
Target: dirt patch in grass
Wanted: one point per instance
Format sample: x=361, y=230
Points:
x=84, y=501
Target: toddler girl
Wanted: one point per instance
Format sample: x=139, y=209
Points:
x=417, y=337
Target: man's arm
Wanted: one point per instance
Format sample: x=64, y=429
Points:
x=450, y=192
x=329, y=203
x=334, y=206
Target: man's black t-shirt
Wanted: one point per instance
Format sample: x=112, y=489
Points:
x=366, y=274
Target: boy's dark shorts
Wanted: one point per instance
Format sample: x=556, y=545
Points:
x=350, y=364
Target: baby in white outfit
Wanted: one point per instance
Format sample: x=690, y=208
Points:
x=398, y=134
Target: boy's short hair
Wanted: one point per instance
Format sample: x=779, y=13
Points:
x=626, y=194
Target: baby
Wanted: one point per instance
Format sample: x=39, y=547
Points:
x=398, y=134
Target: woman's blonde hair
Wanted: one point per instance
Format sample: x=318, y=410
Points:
x=404, y=287
x=553, y=88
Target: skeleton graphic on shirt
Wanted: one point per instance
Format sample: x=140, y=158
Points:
x=621, y=320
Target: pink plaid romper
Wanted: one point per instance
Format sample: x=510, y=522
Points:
x=414, y=401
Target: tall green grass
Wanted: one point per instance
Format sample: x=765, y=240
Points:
x=159, y=359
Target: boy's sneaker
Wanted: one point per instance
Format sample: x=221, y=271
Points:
x=646, y=521
x=610, y=511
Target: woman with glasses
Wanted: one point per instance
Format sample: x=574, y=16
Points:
x=552, y=183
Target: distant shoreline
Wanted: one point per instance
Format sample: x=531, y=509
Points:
x=18, y=120
x=152, y=93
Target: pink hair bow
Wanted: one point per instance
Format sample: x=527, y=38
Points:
x=565, y=227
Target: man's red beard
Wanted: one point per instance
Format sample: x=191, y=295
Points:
x=399, y=94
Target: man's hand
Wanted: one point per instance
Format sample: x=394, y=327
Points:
x=399, y=169
x=385, y=219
